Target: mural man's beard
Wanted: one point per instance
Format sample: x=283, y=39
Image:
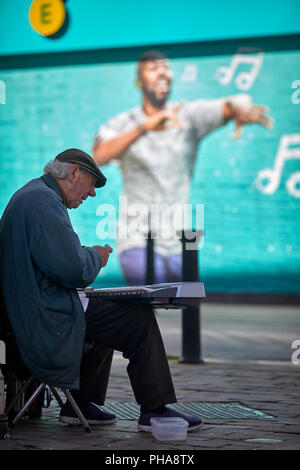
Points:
x=156, y=102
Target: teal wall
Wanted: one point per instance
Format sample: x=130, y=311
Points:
x=96, y=24
x=252, y=238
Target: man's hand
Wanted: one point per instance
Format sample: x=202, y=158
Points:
x=253, y=114
x=243, y=111
x=163, y=119
x=104, y=252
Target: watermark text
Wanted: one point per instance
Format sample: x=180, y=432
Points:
x=296, y=95
x=296, y=354
x=2, y=92
x=156, y=221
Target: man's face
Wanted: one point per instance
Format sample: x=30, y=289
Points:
x=156, y=78
x=82, y=185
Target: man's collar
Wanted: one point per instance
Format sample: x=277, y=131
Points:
x=52, y=183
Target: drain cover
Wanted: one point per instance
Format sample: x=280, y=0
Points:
x=212, y=410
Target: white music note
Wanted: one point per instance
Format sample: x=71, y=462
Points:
x=244, y=80
x=273, y=175
x=190, y=73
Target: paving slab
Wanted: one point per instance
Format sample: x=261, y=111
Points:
x=247, y=352
x=257, y=387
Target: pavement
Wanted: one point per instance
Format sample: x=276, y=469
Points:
x=247, y=354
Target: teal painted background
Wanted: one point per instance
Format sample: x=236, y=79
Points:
x=96, y=24
x=252, y=239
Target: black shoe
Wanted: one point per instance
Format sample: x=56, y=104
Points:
x=144, y=423
x=91, y=412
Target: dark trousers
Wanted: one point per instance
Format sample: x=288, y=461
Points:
x=133, y=330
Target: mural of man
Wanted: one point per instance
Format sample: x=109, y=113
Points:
x=156, y=145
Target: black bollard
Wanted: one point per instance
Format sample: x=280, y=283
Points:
x=149, y=278
x=191, y=317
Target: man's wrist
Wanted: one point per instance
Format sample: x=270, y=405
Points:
x=142, y=128
x=228, y=111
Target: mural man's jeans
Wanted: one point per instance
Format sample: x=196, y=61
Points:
x=133, y=263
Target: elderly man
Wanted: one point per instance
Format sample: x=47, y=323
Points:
x=65, y=340
x=156, y=146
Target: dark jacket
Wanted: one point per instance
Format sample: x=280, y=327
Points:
x=41, y=264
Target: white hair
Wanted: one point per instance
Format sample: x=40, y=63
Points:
x=58, y=169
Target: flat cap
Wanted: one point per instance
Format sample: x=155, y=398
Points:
x=84, y=161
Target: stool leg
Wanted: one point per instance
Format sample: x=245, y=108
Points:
x=58, y=399
x=20, y=392
x=77, y=410
x=28, y=403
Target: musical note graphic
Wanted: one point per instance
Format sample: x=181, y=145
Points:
x=244, y=80
x=273, y=175
x=190, y=73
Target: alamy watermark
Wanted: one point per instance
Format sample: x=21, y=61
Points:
x=296, y=354
x=158, y=221
x=296, y=95
x=2, y=92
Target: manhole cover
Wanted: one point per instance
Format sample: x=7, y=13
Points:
x=212, y=410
